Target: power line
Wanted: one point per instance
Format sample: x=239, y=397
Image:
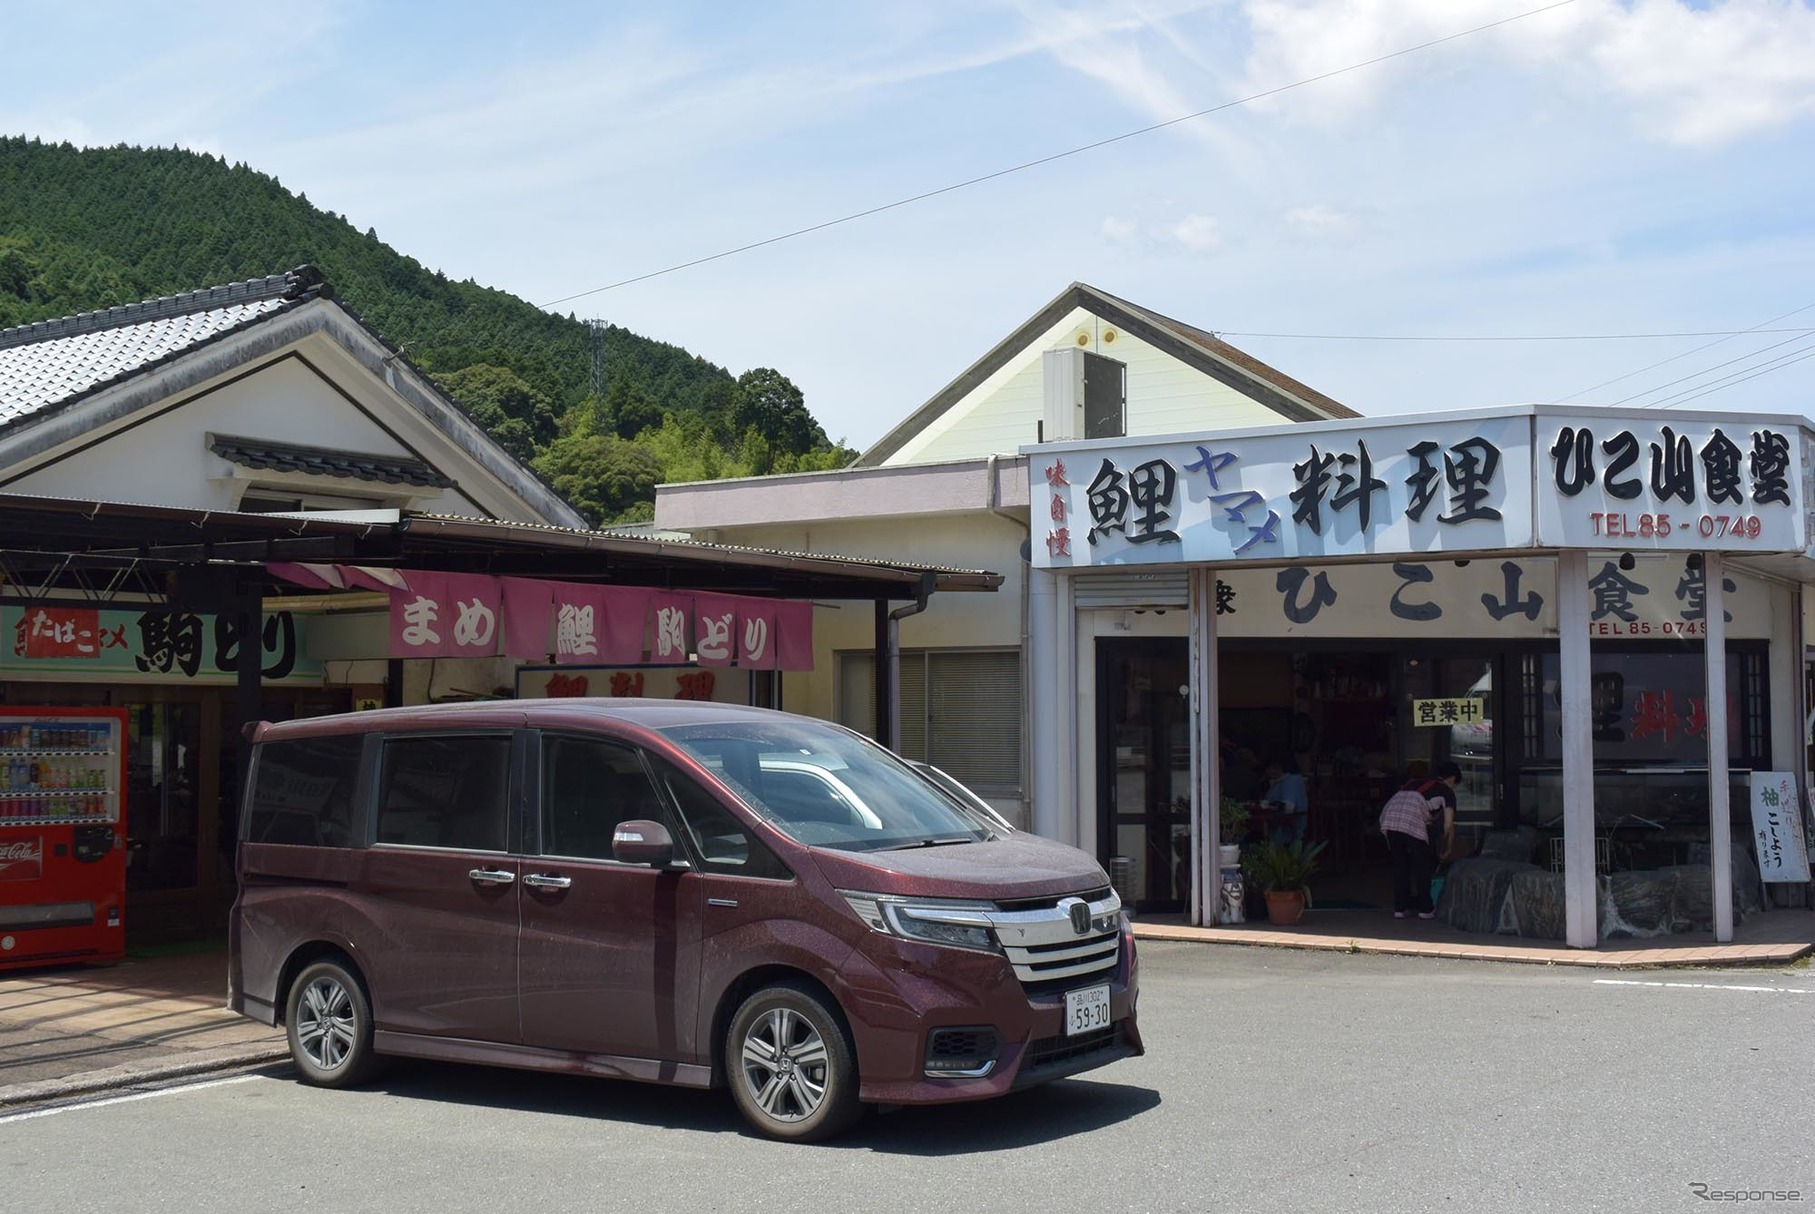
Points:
x=1516, y=336
x=1707, y=371
x=1758, y=328
x=1739, y=377
x=1056, y=156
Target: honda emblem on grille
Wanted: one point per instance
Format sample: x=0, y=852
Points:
x=1079, y=911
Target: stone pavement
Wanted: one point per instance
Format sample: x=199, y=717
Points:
x=77, y=1029
x=80, y=1029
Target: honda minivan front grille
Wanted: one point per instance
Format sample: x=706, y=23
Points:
x=1045, y=944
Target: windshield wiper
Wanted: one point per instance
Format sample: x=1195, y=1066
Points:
x=933, y=842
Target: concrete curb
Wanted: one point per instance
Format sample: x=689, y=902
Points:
x=1698, y=956
x=132, y=1074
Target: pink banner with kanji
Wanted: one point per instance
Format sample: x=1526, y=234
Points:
x=715, y=619
x=756, y=634
x=446, y=615
x=671, y=627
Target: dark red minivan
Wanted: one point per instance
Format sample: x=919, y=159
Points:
x=669, y=891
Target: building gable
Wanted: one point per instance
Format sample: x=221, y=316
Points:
x=283, y=428
x=1179, y=378
x=127, y=402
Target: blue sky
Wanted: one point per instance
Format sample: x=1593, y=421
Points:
x=1605, y=168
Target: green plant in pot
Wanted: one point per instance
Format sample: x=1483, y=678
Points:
x=1232, y=821
x=1283, y=871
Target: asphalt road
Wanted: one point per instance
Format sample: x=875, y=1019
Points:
x=1274, y=1081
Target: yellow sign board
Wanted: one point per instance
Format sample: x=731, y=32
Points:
x=1457, y=710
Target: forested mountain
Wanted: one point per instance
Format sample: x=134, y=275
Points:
x=82, y=229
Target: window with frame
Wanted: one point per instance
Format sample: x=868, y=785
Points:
x=724, y=844
x=961, y=711
x=302, y=792
x=589, y=787
x=447, y=791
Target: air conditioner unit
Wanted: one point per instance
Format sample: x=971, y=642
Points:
x=1086, y=396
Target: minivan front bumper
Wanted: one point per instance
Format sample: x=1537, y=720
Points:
x=897, y=993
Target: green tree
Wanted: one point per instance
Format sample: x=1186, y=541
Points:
x=603, y=475
x=513, y=412
x=768, y=402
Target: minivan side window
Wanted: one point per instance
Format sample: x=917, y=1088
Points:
x=302, y=792
x=448, y=791
x=724, y=844
x=589, y=785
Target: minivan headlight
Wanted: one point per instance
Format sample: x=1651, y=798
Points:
x=929, y=920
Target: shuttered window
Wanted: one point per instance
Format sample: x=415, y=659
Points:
x=960, y=711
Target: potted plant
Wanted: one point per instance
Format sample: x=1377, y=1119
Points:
x=1283, y=871
x=1232, y=822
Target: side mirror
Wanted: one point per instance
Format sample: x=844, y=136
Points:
x=639, y=841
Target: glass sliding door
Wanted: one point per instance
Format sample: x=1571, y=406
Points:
x=1144, y=770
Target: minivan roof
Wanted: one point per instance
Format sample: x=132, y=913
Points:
x=646, y=714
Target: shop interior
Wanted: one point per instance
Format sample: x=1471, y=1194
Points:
x=1313, y=741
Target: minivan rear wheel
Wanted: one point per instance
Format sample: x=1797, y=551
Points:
x=790, y=1065
x=329, y=1024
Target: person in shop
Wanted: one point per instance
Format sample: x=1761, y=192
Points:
x=1419, y=822
x=1285, y=793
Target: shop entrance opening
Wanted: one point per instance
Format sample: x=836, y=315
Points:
x=1311, y=744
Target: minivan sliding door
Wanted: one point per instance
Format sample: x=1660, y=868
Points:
x=610, y=952
x=440, y=887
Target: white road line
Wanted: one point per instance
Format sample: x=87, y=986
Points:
x=95, y=1104
x=1706, y=986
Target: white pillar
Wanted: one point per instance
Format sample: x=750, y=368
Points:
x=1720, y=829
x=1044, y=703
x=1206, y=770
x=1069, y=735
x=1573, y=670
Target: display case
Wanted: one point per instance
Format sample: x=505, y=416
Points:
x=1648, y=817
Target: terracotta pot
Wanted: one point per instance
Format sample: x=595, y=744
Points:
x=1285, y=906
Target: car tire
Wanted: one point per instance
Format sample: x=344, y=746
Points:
x=790, y=1065
x=328, y=1021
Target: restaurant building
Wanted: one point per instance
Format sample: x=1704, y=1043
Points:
x=1598, y=614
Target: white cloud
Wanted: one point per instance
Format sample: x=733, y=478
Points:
x=1194, y=233
x=1319, y=221
x=1691, y=75
x=1119, y=231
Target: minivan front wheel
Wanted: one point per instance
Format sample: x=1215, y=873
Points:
x=329, y=1025
x=790, y=1065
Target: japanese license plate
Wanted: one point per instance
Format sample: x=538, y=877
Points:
x=1087, y=1010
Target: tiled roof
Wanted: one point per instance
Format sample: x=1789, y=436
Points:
x=55, y=361
x=324, y=461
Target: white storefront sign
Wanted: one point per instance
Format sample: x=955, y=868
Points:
x=1502, y=481
x=1619, y=480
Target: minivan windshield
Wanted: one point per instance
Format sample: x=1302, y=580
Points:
x=827, y=787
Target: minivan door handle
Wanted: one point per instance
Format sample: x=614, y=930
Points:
x=547, y=881
x=490, y=876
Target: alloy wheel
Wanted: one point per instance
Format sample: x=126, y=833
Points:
x=325, y=1025
x=785, y=1064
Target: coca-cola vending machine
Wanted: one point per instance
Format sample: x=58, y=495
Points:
x=62, y=835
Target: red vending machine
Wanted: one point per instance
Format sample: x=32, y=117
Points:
x=62, y=835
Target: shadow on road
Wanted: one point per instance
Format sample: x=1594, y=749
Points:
x=1046, y=1114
